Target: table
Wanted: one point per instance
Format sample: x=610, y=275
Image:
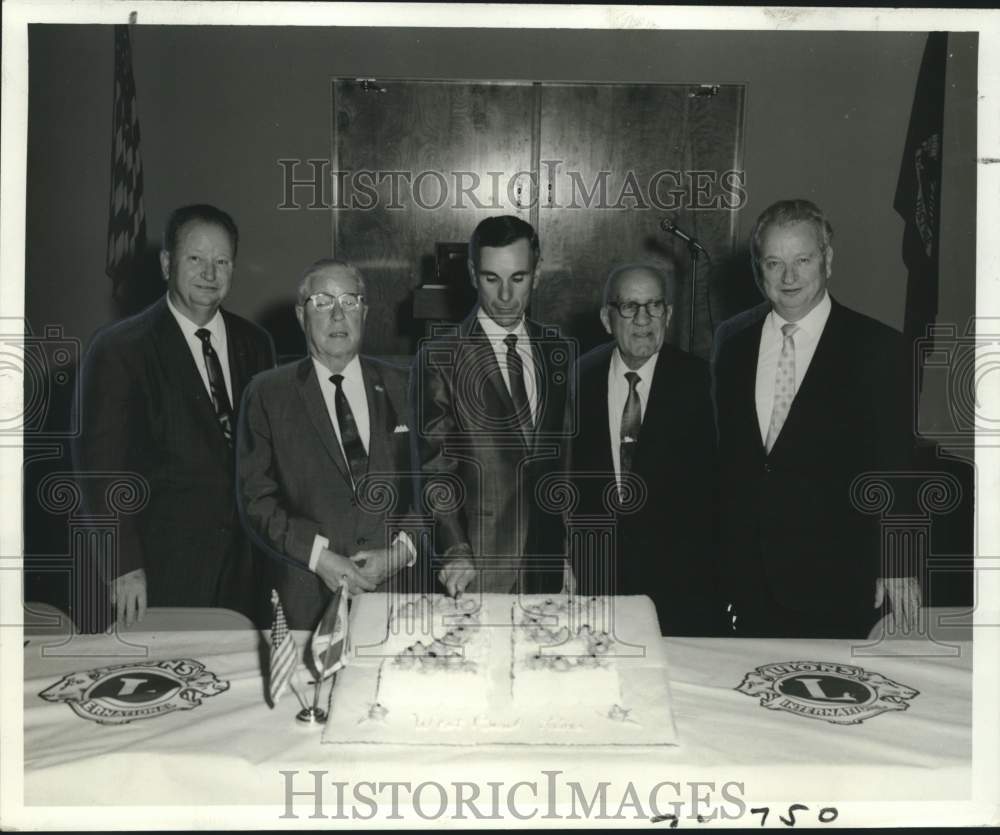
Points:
x=231, y=749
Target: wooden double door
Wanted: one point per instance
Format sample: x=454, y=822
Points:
x=594, y=167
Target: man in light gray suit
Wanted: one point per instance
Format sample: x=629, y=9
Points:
x=323, y=442
x=489, y=403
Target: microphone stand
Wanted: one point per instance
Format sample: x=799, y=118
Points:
x=695, y=255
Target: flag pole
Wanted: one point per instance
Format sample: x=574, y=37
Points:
x=315, y=714
x=331, y=629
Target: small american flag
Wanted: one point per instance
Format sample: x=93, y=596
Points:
x=127, y=218
x=284, y=653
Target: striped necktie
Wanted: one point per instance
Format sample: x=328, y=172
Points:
x=217, y=384
x=784, y=385
x=350, y=438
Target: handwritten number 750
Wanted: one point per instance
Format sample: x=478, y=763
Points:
x=827, y=814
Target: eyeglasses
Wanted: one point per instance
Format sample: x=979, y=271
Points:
x=628, y=310
x=324, y=301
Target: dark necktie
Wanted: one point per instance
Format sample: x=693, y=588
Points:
x=217, y=384
x=350, y=439
x=631, y=423
x=518, y=391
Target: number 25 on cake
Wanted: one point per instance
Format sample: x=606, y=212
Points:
x=497, y=669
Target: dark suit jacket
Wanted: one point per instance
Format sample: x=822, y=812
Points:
x=666, y=546
x=790, y=529
x=145, y=410
x=294, y=482
x=494, y=483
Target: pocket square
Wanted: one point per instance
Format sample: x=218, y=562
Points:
x=401, y=428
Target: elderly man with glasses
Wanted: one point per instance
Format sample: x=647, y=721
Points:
x=643, y=462
x=324, y=456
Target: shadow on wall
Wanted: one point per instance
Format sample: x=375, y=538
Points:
x=143, y=286
x=289, y=342
x=733, y=288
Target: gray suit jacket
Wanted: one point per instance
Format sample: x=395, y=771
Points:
x=488, y=486
x=294, y=483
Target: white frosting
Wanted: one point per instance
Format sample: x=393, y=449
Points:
x=499, y=668
x=539, y=657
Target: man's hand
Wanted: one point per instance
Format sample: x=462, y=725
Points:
x=128, y=597
x=904, y=599
x=456, y=575
x=333, y=567
x=379, y=564
x=374, y=564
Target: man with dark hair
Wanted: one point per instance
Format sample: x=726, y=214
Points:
x=643, y=462
x=324, y=456
x=159, y=392
x=489, y=403
x=809, y=395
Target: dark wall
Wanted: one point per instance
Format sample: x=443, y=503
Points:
x=218, y=106
x=826, y=119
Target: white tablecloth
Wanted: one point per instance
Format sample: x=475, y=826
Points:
x=230, y=749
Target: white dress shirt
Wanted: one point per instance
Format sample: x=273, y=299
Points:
x=496, y=336
x=618, y=395
x=353, y=386
x=805, y=340
x=217, y=327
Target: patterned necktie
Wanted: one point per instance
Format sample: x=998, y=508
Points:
x=350, y=439
x=217, y=384
x=784, y=385
x=518, y=390
x=631, y=423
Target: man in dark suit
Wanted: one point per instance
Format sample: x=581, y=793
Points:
x=809, y=395
x=488, y=401
x=158, y=398
x=643, y=462
x=324, y=455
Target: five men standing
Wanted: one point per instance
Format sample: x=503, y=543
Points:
x=494, y=419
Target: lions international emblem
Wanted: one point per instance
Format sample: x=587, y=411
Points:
x=121, y=694
x=837, y=693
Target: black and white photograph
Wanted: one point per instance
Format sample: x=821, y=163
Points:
x=454, y=415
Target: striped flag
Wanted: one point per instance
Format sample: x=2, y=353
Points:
x=331, y=641
x=284, y=653
x=127, y=218
x=918, y=189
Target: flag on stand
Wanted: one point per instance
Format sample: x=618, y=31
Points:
x=918, y=190
x=284, y=653
x=331, y=641
x=127, y=218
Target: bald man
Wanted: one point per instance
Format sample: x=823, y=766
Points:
x=644, y=460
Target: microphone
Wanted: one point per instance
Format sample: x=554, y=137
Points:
x=671, y=228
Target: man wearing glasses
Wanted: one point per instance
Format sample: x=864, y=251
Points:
x=324, y=455
x=643, y=461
